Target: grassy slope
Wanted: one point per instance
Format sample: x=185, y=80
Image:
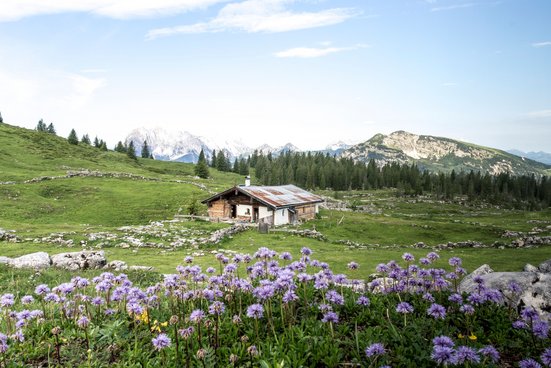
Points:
x=82, y=204
x=67, y=203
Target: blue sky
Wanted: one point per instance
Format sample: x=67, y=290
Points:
x=311, y=72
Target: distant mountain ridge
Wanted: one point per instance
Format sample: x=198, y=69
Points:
x=441, y=154
x=432, y=153
x=540, y=156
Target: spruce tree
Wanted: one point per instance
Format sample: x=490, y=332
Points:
x=85, y=139
x=120, y=147
x=201, y=168
x=145, y=150
x=97, y=143
x=221, y=162
x=1, y=119
x=103, y=145
x=73, y=138
x=213, y=159
x=131, y=151
x=41, y=126
x=50, y=129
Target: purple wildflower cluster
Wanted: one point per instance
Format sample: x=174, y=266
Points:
x=273, y=288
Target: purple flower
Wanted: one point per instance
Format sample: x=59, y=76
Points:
x=330, y=317
x=334, y=297
x=443, y=341
x=375, y=349
x=363, y=300
x=519, y=325
x=286, y=256
x=160, y=342
x=255, y=311
x=7, y=300
x=432, y=256
x=27, y=299
x=42, y=289
x=83, y=322
x=217, y=308
x=428, y=297
x=404, y=308
x=467, y=309
x=197, y=316
x=490, y=352
x=546, y=357
x=465, y=354
x=540, y=329
x=188, y=259
x=306, y=251
x=456, y=298
x=289, y=296
x=408, y=257
x=437, y=311
x=3, y=343
x=442, y=354
x=529, y=363
x=353, y=266
x=186, y=332
x=455, y=262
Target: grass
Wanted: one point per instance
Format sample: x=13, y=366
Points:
x=159, y=190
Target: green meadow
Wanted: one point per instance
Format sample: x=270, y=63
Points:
x=127, y=192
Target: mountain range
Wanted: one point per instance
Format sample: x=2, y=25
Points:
x=432, y=153
x=540, y=156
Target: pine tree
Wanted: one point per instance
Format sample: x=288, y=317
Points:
x=120, y=147
x=1, y=119
x=73, y=138
x=201, y=168
x=213, y=159
x=85, y=139
x=103, y=145
x=50, y=129
x=221, y=162
x=131, y=151
x=41, y=126
x=145, y=150
x=97, y=143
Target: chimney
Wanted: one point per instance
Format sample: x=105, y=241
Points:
x=247, y=181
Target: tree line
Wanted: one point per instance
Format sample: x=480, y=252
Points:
x=323, y=171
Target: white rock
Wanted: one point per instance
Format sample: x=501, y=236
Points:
x=36, y=260
x=80, y=260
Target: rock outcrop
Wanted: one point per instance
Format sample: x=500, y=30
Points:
x=534, y=286
x=80, y=260
x=38, y=260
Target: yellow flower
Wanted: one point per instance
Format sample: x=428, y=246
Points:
x=472, y=337
x=461, y=336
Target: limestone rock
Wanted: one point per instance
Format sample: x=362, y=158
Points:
x=545, y=267
x=117, y=265
x=530, y=268
x=5, y=260
x=36, y=260
x=80, y=260
x=467, y=283
x=140, y=268
x=535, y=289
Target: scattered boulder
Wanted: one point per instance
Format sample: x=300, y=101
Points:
x=140, y=268
x=36, y=260
x=80, y=260
x=116, y=265
x=535, y=287
x=530, y=268
x=545, y=267
x=5, y=260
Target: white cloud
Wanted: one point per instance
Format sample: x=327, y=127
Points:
x=540, y=114
x=313, y=52
x=452, y=7
x=541, y=44
x=84, y=87
x=16, y=9
x=253, y=16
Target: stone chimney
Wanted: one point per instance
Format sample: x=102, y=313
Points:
x=247, y=181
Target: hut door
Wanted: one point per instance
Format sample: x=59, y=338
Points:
x=255, y=214
x=233, y=211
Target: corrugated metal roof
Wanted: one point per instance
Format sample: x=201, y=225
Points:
x=274, y=196
x=281, y=196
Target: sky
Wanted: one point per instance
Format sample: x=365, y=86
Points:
x=310, y=72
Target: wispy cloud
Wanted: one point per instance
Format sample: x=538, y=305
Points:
x=541, y=44
x=254, y=16
x=540, y=114
x=11, y=10
x=314, y=52
x=452, y=7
